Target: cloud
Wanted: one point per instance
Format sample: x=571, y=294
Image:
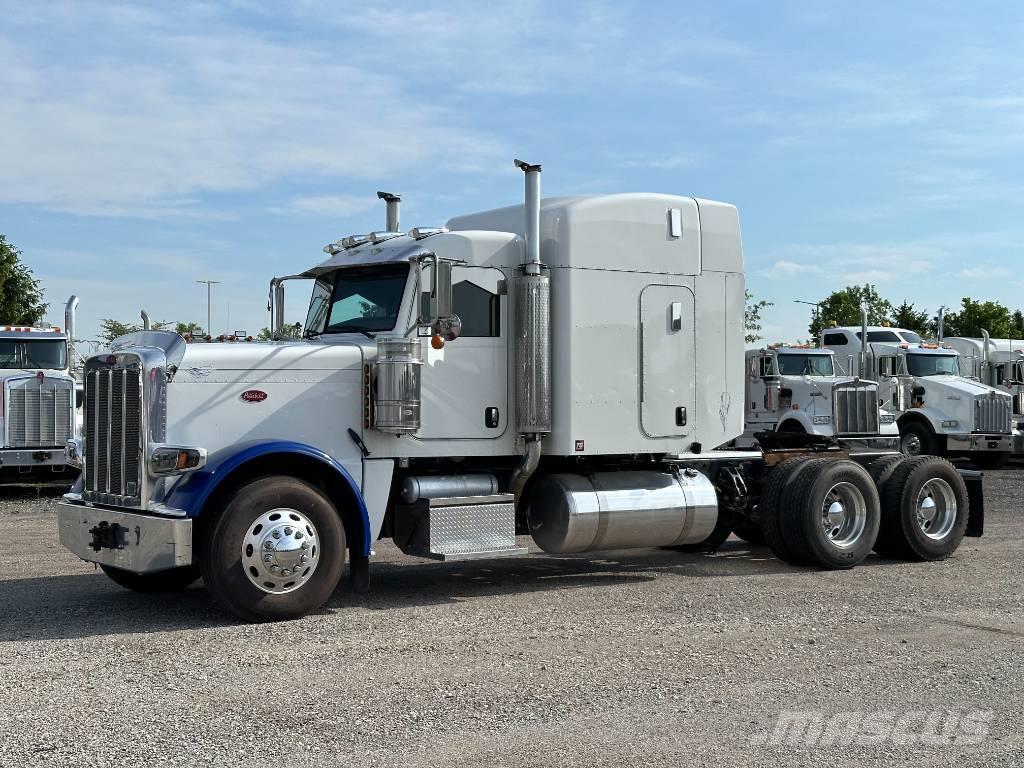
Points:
x=666, y=162
x=331, y=206
x=984, y=272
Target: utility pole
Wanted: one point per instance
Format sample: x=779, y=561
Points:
x=209, y=303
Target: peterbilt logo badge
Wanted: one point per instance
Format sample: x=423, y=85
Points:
x=254, y=396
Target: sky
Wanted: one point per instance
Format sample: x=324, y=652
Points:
x=145, y=147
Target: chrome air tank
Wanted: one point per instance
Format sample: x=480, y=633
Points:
x=618, y=510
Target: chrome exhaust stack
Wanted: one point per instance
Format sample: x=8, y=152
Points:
x=940, y=325
x=862, y=360
x=393, y=202
x=70, y=311
x=146, y=323
x=532, y=291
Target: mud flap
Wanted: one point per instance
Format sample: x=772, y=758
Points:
x=976, y=498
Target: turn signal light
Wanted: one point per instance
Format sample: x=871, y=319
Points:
x=173, y=460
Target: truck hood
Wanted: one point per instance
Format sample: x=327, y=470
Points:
x=202, y=359
x=954, y=386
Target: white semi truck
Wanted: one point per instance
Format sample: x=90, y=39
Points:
x=38, y=395
x=1000, y=364
x=938, y=410
x=801, y=390
x=561, y=369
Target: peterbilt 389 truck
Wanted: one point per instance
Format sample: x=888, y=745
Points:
x=38, y=396
x=560, y=368
x=939, y=411
x=802, y=390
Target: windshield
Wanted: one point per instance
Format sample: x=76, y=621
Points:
x=933, y=365
x=357, y=299
x=50, y=354
x=805, y=365
x=911, y=337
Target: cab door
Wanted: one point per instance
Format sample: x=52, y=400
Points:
x=465, y=384
x=668, y=382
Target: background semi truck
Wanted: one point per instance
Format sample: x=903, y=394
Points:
x=801, y=390
x=1000, y=364
x=938, y=410
x=38, y=398
x=560, y=368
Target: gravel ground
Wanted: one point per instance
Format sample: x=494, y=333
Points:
x=642, y=657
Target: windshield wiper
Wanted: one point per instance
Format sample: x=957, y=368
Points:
x=310, y=334
x=350, y=329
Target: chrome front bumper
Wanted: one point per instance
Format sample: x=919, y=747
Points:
x=979, y=443
x=32, y=457
x=131, y=541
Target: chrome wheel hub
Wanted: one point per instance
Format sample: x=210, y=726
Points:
x=936, y=509
x=911, y=445
x=844, y=515
x=280, y=551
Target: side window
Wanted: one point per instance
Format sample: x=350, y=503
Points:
x=887, y=366
x=766, y=367
x=478, y=308
x=835, y=340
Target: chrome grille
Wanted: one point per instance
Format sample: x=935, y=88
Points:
x=855, y=408
x=113, y=431
x=39, y=413
x=991, y=414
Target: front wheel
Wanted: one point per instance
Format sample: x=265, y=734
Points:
x=916, y=439
x=275, y=552
x=171, y=580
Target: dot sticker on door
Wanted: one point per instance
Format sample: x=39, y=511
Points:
x=580, y=446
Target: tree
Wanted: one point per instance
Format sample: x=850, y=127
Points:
x=21, y=296
x=976, y=316
x=843, y=308
x=905, y=316
x=183, y=329
x=289, y=332
x=110, y=329
x=752, y=317
x=1018, y=323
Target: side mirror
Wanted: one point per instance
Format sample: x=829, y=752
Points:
x=444, y=323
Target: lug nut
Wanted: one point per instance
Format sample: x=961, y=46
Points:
x=305, y=545
x=304, y=559
x=274, y=569
x=268, y=545
x=288, y=531
x=276, y=534
x=298, y=534
x=268, y=558
x=285, y=572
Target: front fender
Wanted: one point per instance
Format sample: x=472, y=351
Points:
x=196, y=488
x=804, y=420
x=933, y=416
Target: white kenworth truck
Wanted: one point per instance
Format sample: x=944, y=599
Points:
x=938, y=410
x=1000, y=364
x=801, y=390
x=559, y=369
x=38, y=396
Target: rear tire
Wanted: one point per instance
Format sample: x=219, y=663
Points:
x=917, y=439
x=172, y=580
x=275, y=552
x=925, y=511
x=769, y=508
x=881, y=470
x=749, y=531
x=994, y=460
x=831, y=514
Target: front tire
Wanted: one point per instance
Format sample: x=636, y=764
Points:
x=916, y=439
x=171, y=580
x=275, y=552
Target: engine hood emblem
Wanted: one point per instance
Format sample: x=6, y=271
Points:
x=254, y=396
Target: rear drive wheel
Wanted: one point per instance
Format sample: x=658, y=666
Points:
x=916, y=439
x=924, y=511
x=749, y=531
x=275, y=552
x=172, y=580
x=769, y=509
x=831, y=514
x=881, y=470
x=993, y=460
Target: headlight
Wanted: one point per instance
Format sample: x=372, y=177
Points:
x=950, y=423
x=73, y=453
x=822, y=419
x=173, y=459
x=887, y=418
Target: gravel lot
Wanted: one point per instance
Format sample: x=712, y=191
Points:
x=643, y=657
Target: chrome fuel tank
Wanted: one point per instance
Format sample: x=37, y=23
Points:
x=618, y=510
